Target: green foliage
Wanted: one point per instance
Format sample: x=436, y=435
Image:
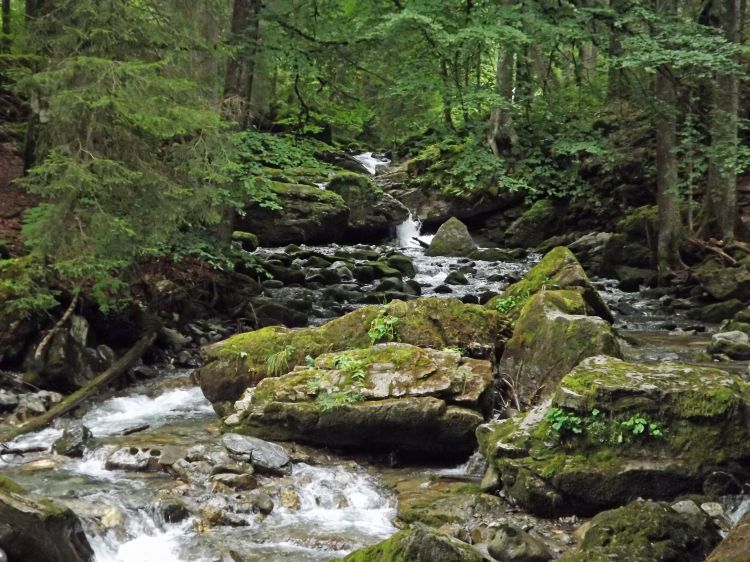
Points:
x=509, y=303
x=384, y=327
x=354, y=368
x=278, y=363
x=24, y=291
x=329, y=401
x=565, y=424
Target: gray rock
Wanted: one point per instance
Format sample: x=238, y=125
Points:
x=8, y=400
x=512, y=544
x=236, y=481
x=452, y=239
x=73, y=441
x=134, y=459
x=456, y=278
x=265, y=457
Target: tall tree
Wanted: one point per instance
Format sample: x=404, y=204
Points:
x=240, y=74
x=668, y=199
x=720, y=202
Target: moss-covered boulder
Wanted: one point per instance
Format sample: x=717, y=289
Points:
x=373, y=214
x=417, y=544
x=540, y=221
x=616, y=431
x=558, y=269
x=736, y=546
x=722, y=282
x=243, y=360
x=306, y=214
x=645, y=531
x=552, y=335
x=716, y=312
x=38, y=529
x=394, y=396
x=452, y=239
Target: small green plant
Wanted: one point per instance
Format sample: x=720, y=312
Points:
x=354, y=368
x=383, y=328
x=328, y=401
x=511, y=302
x=278, y=363
x=313, y=386
x=636, y=425
x=563, y=422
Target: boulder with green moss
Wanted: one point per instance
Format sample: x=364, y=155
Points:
x=373, y=214
x=38, y=529
x=417, y=544
x=615, y=431
x=243, y=360
x=392, y=396
x=540, y=221
x=645, y=531
x=452, y=239
x=722, y=282
x=552, y=335
x=558, y=269
x=304, y=214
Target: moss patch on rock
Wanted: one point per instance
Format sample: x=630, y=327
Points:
x=241, y=361
x=417, y=544
x=701, y=414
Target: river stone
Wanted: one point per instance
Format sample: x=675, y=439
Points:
x=134, y=459
x=417, y=544
x=265, y=457
x=735, y=344
x=239, y=362
x=552, y=335
x=702, y=413
x=37, y=529
x=513, y=544
x=723, y=283
x=736, y=545
x=8, y=400
x=236, y=481
x=456, y=278
x=73, y=441
x=452, y=239
x=260, y=501
x=172, y=510
x=716, y=312
x=401, y=394
x=645, y=531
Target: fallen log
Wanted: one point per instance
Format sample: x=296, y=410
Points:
x=728, y=260
x=420, y=242
x=79, y=396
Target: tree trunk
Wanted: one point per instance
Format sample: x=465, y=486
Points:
x=240, y=74
x=668, y=258
x=720, y=202
x=615, y=75
x=6, y=26
x=502, y=135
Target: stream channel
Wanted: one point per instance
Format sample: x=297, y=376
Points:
x=337, y=505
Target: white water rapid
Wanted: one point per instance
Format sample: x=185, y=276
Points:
x=371, y=161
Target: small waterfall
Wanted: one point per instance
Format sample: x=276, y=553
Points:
x=371, y=162
x=408, y=230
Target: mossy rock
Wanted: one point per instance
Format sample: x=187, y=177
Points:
x=640, y=223
x=307, y=215
x=452, y=239
x=372, y=212
x=700, y=412
x=447, y=503
x=645, y=531
x=387, y=397
x=241, y=361
x=417, y=544
x=247, y=240
x=723, y=283
x=716, y=312
x=552, y=335
x=38, y=529
x=536, y=224
x=558, y=269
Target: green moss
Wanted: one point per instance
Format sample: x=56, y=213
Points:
x=7, y=485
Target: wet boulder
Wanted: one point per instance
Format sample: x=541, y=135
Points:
x=552, y=335
x=417, y=544
x=373, y=214
x=38, y=529
x=134, y=459
x=306, y=214
x=452, y=239
x=387, y=397
x=722, y=282
x=734, y=344
x=540, y=221
x=265, y=457
x=645, y=531
x=615, y=431
x=233, y=365
x=558, y=269
x=716, y=312
x=74, y=441
x=512, y=544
